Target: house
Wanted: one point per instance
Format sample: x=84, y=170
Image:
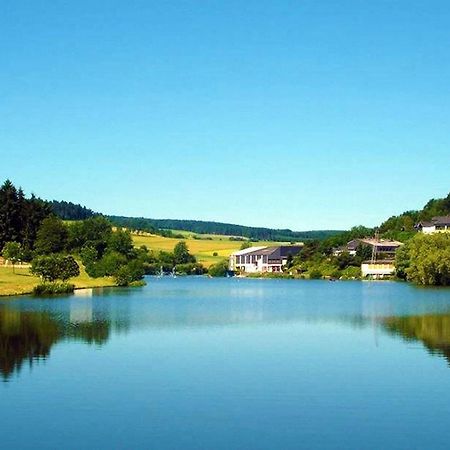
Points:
x=262, y=259
x=435, y=225
x=385, y=246
x=378, y=269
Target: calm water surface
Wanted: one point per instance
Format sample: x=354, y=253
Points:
x=197, y=363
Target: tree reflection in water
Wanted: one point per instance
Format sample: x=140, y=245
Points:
x=432, y=330
x=30, y=335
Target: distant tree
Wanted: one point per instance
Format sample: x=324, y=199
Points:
x=245, y=245
x=93, y=232
x=181, y=254
x=51, y=236
x=12, y=251
x=71, y=211
x=120, y=241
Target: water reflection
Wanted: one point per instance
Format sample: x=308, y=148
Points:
x=30, y=327
x=27, y=336
x=431, y=330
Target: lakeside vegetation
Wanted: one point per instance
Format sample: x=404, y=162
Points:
x=100, y=253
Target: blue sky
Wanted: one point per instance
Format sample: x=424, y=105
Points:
x=299, y=114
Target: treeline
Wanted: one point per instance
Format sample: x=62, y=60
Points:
x=71, y=211
x=206, y=227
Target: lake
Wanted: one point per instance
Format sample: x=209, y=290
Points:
x=199, y=363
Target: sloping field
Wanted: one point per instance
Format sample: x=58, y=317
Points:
x=202, y=249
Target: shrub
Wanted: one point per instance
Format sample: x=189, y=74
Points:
x=219, y=269
x=315, y=274
x=53, y=289
x=123, y=276
x=190, y=269
x=133, y=271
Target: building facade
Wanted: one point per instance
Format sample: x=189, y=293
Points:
x=262, y=259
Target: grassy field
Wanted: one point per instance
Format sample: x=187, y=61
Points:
x=22, y=282
x=202, y=249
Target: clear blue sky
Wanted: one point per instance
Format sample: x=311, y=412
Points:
x=300, y=114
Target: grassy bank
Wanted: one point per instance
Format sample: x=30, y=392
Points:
x=22, y=282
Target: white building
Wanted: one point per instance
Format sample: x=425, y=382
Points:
x=435, y=225
x=378, y=269
x=262, y=259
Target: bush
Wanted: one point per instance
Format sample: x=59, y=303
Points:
x=123, y=276
x=190, y=269
x=219, y=270
x=53, y=289
x=315, y=274
x=133, y=271
x=215, y=254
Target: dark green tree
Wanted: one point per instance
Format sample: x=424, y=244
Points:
x=181, y=254
x=120, y=241
x=51, y=236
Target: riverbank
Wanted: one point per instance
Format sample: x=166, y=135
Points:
x=22, y=281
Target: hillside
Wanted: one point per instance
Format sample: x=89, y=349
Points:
x=70, y=211
x=402, y=226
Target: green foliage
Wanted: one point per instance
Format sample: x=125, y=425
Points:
x=55, y=267
x=219, y=269
x=402, y=261
x=246, y=244
x=20, y=217
x=426, y=259
x=71, y=211
x=123, y=277
x=129, y=273
x=181, y=254
x=190, y=269
x=120, y=241
x=163, y=227
x=315, y=274
x=51, y=236
x=12, y=251
x=53, y=289
x=344, y=260
x=94, y=232
x=68, y=268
